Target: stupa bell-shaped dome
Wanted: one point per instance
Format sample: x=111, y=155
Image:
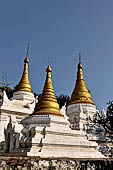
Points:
x=24, y=84
x=47, y=103
x=80, y=93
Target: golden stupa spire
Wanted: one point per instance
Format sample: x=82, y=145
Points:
x=80, y=93
x=47, y=103
x=24, y=84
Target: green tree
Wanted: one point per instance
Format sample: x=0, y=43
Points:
x=107, y=121
x=8, y=91
x=62, y=100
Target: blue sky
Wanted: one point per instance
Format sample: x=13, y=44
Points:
x=59, y=29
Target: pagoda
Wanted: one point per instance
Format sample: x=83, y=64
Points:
x=81, y=101
x=47, y=133
x=21, y=104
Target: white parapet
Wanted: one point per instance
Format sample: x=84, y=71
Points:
x=78, y=113
x=20, y=106
x=22, y=95
x=51, y=137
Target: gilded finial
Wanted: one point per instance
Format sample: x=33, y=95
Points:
x=27, y=52
x=80, y=93
x=24, y=84
x=47, y=103
x=48, y=69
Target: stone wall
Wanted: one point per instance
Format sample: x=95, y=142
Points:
x=28, y=163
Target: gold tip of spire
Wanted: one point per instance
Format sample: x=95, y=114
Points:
x=24, y=84
x=48, y=69
x=26, y=60
x=47, y=103
x=80, y=93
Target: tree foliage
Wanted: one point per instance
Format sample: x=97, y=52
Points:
x=109, y=115
x=106, y=121
x=62, y=100
x=8, y=91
